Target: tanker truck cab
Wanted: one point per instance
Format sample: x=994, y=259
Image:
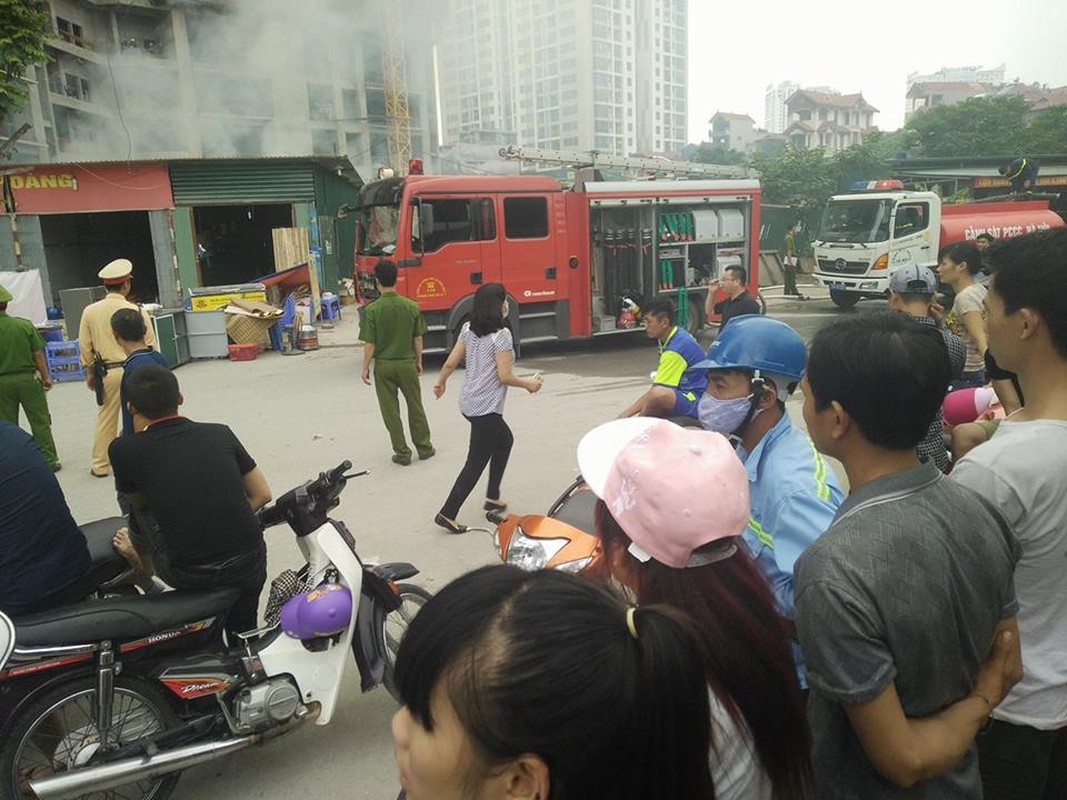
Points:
x=867, y=235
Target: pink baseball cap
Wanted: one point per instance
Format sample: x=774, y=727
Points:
x=671, y=489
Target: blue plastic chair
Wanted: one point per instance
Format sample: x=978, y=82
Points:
x=287, y=317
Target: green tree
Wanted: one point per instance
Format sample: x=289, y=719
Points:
x=24, y=28
x=1047, y=132
x=707, y=153
x=980, y=126
x=798, y=178
x=866, y=161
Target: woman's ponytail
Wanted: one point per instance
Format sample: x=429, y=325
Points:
x=671, y=703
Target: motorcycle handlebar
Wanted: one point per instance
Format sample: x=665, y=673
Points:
x=326, y=488
x=335, y=474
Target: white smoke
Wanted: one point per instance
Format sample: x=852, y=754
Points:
x=255, y=71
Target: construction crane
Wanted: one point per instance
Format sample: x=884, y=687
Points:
x=397, y=111
x=650, y=166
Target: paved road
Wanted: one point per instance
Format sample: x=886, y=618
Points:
x=302, y=414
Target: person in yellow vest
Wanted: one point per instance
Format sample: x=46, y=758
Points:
x=96, y=338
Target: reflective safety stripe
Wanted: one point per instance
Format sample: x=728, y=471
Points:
x=761, y=534
x=822, y=488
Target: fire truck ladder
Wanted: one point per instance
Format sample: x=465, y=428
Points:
x=650, y=166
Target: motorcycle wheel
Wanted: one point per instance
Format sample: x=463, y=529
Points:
x=58, y=732
x=412, y=599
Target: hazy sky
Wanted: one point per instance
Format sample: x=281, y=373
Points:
x=737, y=47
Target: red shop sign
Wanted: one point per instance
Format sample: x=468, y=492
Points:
x=62, y=189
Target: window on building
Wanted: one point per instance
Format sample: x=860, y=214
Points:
x=804, y=114
x=72, y=86
x=525, y=217
x=453, y=221
x=324, y=143
x=70, y=32
x=320, y=103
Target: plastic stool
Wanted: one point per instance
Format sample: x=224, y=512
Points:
x=331, y=306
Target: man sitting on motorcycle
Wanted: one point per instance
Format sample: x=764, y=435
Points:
x=194, y=490
x=44, y=560
x=752, y=367
x=675, y=388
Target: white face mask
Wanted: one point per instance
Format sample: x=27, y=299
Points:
x=723, y=416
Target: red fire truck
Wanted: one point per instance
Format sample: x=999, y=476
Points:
x=570, y=258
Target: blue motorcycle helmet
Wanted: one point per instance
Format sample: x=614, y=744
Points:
x=766, y=347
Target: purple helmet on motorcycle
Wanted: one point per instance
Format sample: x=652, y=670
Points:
x=324, y=611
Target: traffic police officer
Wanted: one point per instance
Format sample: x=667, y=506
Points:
x=22, y=355
x=96, y=338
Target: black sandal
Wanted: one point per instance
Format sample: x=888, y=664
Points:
x=495, y=505
x=451, y=527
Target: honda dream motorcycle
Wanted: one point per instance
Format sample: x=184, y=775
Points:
x=113, y=697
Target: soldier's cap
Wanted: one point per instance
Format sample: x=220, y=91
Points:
x=5, y=295
x=116, y=272
x=913, y=279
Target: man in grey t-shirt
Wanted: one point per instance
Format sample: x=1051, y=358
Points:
x=899, y=602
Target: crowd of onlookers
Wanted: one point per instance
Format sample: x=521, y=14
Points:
x=747, y=628
x=906, y=640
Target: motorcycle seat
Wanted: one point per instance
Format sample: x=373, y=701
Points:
x=120, y=618
x=578, y=510
x=106, y=563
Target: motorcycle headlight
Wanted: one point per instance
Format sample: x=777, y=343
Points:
x=532, y=554
x=575, y=566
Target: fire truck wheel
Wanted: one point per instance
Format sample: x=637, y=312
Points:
x=843, y=300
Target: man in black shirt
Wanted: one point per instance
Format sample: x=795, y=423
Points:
x=194, y=491
x=1022, y=172
x=738, y=302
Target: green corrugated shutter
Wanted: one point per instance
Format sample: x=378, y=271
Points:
x=215, y=183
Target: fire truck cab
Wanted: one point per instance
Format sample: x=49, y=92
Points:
x=570, y=259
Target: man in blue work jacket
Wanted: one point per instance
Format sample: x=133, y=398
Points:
x=752, y=367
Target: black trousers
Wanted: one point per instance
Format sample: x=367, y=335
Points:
x=490, y=443
x=246, y=571
x=1022, y=763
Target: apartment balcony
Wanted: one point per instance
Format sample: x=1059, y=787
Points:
x=79, y=48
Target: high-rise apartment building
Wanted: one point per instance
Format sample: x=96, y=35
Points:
x=565, y=74
x=148, y=79
x=776, y=115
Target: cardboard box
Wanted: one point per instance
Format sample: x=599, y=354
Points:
x=249, y=330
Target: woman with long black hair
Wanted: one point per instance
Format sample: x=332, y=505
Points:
x=672, y=505
x=545, y=686
x=487, y=345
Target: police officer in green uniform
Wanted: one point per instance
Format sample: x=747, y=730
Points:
x=22, y=355
x=391, y=329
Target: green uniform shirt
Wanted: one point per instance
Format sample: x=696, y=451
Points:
x=391, y=324
x=19, y=340
x=790, y=248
